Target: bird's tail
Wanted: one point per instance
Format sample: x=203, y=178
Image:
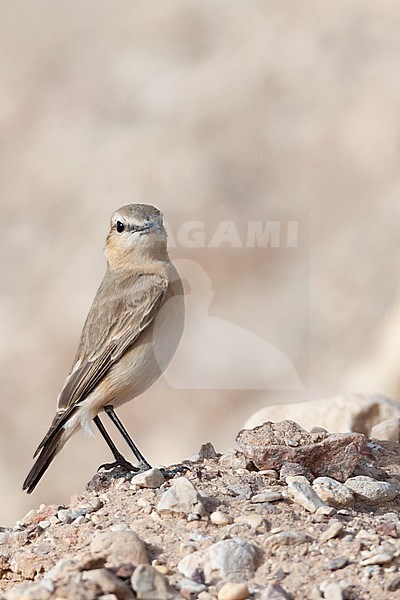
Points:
x=48, y=451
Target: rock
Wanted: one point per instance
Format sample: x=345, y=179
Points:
x=152, y=478
x=290, y=469
x=234, y=459
x=267, y=496
x=334, y=530
x=371, y=491
x=182, y=497
x=27, y=591
x=270, y=473
x=274, y=591
x=342, y=413
x=380, y=558
x=109, y=583
x=253, y=520
x=220, y=518
x=325, y=511
x=333, y=492
x=387, y=430
x=4, y=536
x=303, y=494
x=326, y=455
x=232, y=559
x=334, y=564
x=233, y=591
x=119, y=548
x=286, y=538
x=149, y=584
x=207, y=451
x=333, y=591
x=192, y=587
x=393, y=584
x=240, y=491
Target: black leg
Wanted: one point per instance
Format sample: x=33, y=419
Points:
x=119, y=459
x=109, y=410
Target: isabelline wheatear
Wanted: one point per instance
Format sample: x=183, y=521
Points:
x=130, y=335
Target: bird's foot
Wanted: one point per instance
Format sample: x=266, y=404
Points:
x=120, y=463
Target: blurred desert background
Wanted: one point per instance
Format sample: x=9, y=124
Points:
x=235, y=118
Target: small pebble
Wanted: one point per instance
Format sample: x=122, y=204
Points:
x=4, y=535
x=393, y=584
x=193, y=587
x=286, y=538
x=371, y=491
x=271, y=473
x=334, y=530
x=152, y=478
x=269, y=496
x=252, y=520
x=218, y=517
x=337, y=563
x=333, y=591
x=333, y=492
x=205, y=596
x=302, y=493
x=325, y=511
x=382, y=558
x=233, y=591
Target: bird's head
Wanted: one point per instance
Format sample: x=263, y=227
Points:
x=136, y=233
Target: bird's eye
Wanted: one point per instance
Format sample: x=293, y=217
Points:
x=120, y=227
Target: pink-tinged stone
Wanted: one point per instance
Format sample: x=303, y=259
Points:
x=271, y=445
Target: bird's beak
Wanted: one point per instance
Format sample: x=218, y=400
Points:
x=148, y=227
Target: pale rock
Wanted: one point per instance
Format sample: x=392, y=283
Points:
x=325, y=511
x=207, y=451
x=342, y=413
x=152, y=478
x=233, y=591
x=381, y=558
x=234, y=459
x=118, y=548
x=335, y=529
x=303, y=494
x=218, y=517
x=371, y=491
x=333, y=591
x=232, y=559
x=4, y=536
x=274, y=591
x=270, y=473
x=333, y=492
x=149, y=584
x=182, y=497
x=286, y=538
x=253, y=520
x=191, y=587
x=387, y=430
x=109, y=583
x=267, y=496
x=27, y=591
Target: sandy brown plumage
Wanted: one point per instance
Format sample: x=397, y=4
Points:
x=130, y=335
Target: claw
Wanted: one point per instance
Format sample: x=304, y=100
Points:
x=120, y=462
x=168, y=473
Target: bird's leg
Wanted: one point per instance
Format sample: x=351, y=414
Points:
x=120, y=461
x=143, y=464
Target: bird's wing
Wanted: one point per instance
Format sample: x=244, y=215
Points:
x=119, y=314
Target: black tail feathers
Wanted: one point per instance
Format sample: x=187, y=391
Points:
x=47, y=453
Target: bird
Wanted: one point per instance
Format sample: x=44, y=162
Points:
x=130, y=335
